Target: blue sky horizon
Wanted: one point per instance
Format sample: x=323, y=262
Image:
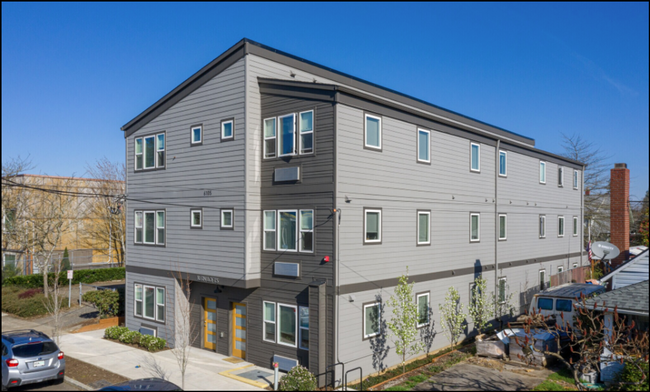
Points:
x=74, y=73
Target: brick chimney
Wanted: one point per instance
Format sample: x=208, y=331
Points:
x=620, y=211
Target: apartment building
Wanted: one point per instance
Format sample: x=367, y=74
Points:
x=293, y=196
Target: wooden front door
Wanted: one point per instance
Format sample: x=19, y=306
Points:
x=210, y=323
x=239, y=330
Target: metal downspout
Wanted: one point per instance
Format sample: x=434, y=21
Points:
x=496, y=222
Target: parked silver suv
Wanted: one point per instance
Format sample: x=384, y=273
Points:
x=28, y=357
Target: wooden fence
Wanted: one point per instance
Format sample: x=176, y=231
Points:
x=575, y=275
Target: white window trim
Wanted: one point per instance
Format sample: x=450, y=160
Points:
x=505, y=154
x=560, y=176
x=542, y=164
x=575, y=226
x=164, y=226
x=417, y=302
x=575, y=179
x=264, y=321
x=428, y=241
x=275, y=137
x=428, y=146
x=479, y=227
x=158, y=149
x=144, y=152
x=277, y=223
x=300, y=133
x=200, y=127
x=279, y=322
x=136, y=300
x=542, y=235
x=506, y=228
x=232, y=218
x=575, y=265
x=135, y=225
x=144, y=224
x=478, y=170
x=561, y=219
x=502, y=279
x=301, y=328
x=300, y=231
x=560, y=269
x=365, y=227
x=192, y=224
x=265, y=230
x=156, y=304
x=232, y=130
x=365, y=131
x=136, y=154
x=279, y=130
x=364, y=320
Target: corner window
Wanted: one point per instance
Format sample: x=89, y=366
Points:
x=227, y=218
x=269, y=230
x=475, y=157
x=196, y=134
x=502, y=290
x=196, y=217
x=288, y=230
x=269, y=322
x=307, y=132
x=475, y=227
x=138, y=227
x=575, y=226
x=560, y=226
x=227, y=130
x=575, y=179
x=138, y=300
x=138, y=154
x=287, y=135
x=306, y=230
x=372, y=226
x=542, y=226
x=542, y=172
x=560, y=176
x=303, y=324
x=371, y=320
x=269, y=138
x=423, y=309
x=160, y=150
x=287, y=322
x=149, y=155
x=503, y=227
x=503, y=163
x=372, y=129
x=424, y=223
x=424, y=146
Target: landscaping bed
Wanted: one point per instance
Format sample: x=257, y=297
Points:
x=90, y=374
x=135, y=339
x=24, y=302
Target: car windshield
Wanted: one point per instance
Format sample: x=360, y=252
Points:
x=34, y=349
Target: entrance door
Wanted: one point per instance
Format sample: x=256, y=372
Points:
x=210, y=323
x=239, y=330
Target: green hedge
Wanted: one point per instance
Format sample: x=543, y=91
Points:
x=80, y=276
x=106, y=301
x=124, y=335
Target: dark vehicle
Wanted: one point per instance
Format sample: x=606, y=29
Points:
x=150, y=384
x=28, y=357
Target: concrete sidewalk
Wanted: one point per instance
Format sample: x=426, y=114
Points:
x=202, y=371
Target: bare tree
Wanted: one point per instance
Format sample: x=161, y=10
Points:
x=184, y=328
x=53, y=303
x=15, y=230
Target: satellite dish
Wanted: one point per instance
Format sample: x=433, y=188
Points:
x=604, y=250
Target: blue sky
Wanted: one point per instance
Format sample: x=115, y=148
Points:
x=73, y=74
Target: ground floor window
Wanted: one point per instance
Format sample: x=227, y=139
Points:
x=304, y=327
x=149, y=302
x=287, y=323
x=423, y=309
x=269, y=322
x=371, y=320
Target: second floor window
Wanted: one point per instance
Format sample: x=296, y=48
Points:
x=150, y=227
x=503, y=221
x=287, y=143
x=560, y=226
x=423, y=227
x=575, y=225
x=372, y=226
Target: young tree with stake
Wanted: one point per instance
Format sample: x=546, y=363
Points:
x=403, y=324
x=452, y=315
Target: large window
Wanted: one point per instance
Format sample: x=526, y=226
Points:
x=503, y=163
x=542, y=172
x=287, y=143
x=560, y=226
x=269, y=138
x=150, y=227
x=575, y=179
x=542, y=226
x=306, y=230
x=288, y=230
x=227, y=218
x=475, y=227
x=269, y=322
x=423, y=309
x=575, y=226
x=307, y=132
x=287, y=323
x=503, y=227
x=149, y=302
x=502, y=290
x=372, y=224
x=269, y=230
x=150, y=152
x=371, y=320
x=475, y=157
x=424, y=224
x=227, y=130
x=304, y=327
x=372, y=131
x=196, y=134
x=424, y=146
x=560, y=176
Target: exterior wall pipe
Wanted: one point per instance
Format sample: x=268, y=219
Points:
x=496, y=222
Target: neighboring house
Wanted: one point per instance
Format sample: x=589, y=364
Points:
x=631, y=272
x=293, y=197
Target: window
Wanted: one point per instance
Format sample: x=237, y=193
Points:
x=503, y=163
x=138, y=300
x=287, y=230
x=545, y=303
x=307, y=132
x=306, y=230
x=563, y=305
x=475, y=155
x=160, y=227
x=149, y=156
x=575, y=226
x=372, y=224
x=138, y=227
x=424, y=146
x=196, y=217
x=423, y=309
x=542, y=280
x=475, y=227
x=269, y=230
x=575, y=179
x=502, y=290
x=160, y=304
x=503, y=227
x=542, y=172
x=542, y=226
x=269, y=138
x=227, y=130
x=287, y=135
x=160, y=150
x=269, y=322
x=560, y=269
x=560, y=176
x=424, y=237
x=149, y=225
x=303, y=313
x=227, y=218
x=9, y=260
x=197, y=134
x=373, y=132
x=138, y=154
x=560, y=226
x=371, y=320
x=149, y=308
x=575, y=265
x=287, y=325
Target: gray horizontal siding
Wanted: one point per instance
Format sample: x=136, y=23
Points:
x=164, y=330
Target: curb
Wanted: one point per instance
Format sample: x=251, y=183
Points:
x=79, y=384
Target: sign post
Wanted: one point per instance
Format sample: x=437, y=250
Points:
x=69, y=286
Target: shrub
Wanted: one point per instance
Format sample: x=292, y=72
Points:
x=106, y=301
x=298, y=379
x=114, y=332
x=29, y=306
x=128, y=337
x=124, y=335
x=631, y=375
x=29, y=293
x=80, y=276
x=152, y=343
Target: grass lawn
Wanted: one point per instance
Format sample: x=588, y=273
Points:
x=562, y=380
x=25, y=302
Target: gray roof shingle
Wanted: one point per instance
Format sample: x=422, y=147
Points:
x=632, y=298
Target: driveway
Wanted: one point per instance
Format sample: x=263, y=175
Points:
x=469, y=377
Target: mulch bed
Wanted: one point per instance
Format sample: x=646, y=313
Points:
x=90, y=375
